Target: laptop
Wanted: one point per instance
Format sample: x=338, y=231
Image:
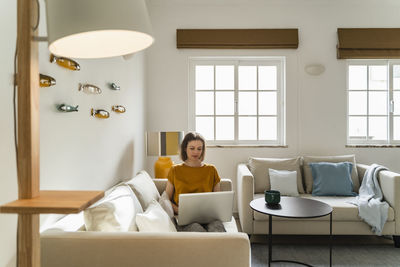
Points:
x=205, y=207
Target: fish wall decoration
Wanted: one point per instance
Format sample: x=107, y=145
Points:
x=118, y=109
x=89, y=88
x=67, y=108
x=100, y=113
x=113, y=86
x=65, y=62
x=46, y=81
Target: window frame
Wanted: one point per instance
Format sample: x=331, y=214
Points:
x=278, y=61
x=389, y=90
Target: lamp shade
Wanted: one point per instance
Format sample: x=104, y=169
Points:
x=97, y=28
x=163, y=143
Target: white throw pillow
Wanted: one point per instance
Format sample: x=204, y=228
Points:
x=259, y=168
x=114, y=213
x=144, y=188
x=166, y=204
x=284, y=181
x=154, y=219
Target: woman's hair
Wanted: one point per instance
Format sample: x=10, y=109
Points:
x=190, y=136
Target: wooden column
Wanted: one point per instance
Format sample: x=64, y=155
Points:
x=28, y=131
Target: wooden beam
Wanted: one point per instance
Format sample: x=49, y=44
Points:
x=28, y=131
x=28, y=102
x=28, y=241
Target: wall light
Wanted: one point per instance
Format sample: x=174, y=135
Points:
x=97, y=28
x=314, y=69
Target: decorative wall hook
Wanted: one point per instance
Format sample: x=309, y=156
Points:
x=100, y=113
x=65, y=62
x=67, y=108
x=46, y=81
x=113, y=86
x=89, y=88
x=118, y=109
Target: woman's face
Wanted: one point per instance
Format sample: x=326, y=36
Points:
x=194, y=150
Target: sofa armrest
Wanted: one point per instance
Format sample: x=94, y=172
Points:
x=390, y=185
x=226, y=184
x=245, y=194
x=100, y=249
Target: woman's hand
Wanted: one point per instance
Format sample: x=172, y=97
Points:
x=175, y=207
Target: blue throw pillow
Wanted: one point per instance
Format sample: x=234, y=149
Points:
x=332, y=179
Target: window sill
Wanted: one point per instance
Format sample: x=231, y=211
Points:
x=247, y=146
x=373, y=146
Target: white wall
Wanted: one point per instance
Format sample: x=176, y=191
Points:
x=316, y=105
x=77, y=151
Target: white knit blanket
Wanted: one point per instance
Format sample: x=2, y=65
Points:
x=371, y=207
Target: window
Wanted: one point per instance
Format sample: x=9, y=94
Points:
x=236, y=101
x=373, y=113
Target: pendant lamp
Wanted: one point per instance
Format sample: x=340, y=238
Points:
x=97, y=28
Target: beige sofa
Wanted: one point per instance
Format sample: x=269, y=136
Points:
x=179, y=249
x=345, y=215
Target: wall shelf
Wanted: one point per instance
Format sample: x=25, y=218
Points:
x=61, y=202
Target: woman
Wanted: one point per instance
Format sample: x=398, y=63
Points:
x=193, y=176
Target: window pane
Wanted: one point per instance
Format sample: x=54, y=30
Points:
x=357, y=103
x=225, y=103
x=267, y=128
x=396, y=76
x=267, y=78
x=377, y=103
x=225, y=128
x=224, y=77
x=357, y=127
x=377, y=128
x=204, y=77
x=357, y=77
x=377, y=77
x=247, y=78
x=247, y=103
x=396, y=128
x=205, y=126
x=267, y=103
x=204, y=103
x=396, y=98
x=247, y=128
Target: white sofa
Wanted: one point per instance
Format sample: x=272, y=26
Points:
x=63, y=247
x=345, y=215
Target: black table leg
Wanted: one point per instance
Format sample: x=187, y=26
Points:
x=270, y=241
x=330, y=239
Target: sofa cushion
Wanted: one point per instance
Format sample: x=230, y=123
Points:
x=154, y=219
x=308, y=179
x=284, y=181
x=259, y=168
x=115, y=212
x=68, y=223
x=166, y=204
x=342, y=209
x=332, y=179
x=144, y=188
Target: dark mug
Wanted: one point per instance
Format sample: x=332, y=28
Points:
x=272, y=197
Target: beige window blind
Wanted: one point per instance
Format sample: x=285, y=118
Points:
x=237, y=38
x=365, y=43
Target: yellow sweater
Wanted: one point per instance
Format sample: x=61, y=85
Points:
x=192, y=179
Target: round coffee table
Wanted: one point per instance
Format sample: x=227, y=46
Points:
x=295, y=208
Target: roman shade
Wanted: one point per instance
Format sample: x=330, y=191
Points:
x=237, y=38
x=364, y=43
